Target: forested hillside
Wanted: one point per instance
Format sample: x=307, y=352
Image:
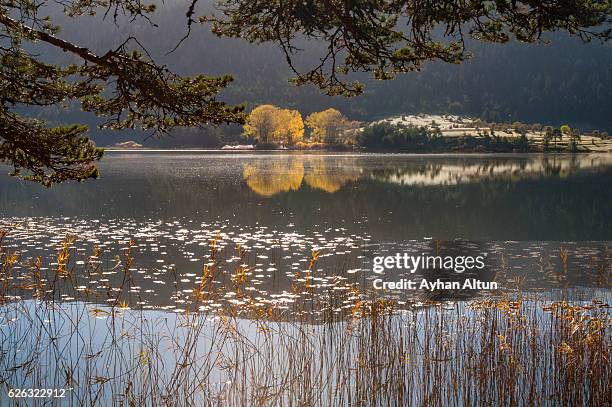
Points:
x=562, y=82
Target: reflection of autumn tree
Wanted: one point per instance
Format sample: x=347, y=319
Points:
x=330, y=174
x=270, y=177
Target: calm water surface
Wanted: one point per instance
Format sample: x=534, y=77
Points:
x=390, y=197
x=280, y=207
x=236, y=279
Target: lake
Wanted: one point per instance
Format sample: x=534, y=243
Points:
x=279, y=207
x=388, y=197
x=241, y=279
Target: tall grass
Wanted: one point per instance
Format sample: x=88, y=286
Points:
x=355, y=350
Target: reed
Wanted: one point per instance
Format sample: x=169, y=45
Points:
x=323, y=347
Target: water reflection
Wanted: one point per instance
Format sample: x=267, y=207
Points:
x=331, y=175
x=267, y=177
x=270, y=177
x=234, y=238
x=386, y=197
x=469, y=170
x=169, y=261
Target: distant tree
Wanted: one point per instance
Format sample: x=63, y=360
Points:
x=327, y=126
x=548, y=136
x=388, y=136
x=519, y=127
x=271, y=124
x=536, y=128
x=260, y=125
x=557, y=136
x=574, y=139
x=289, y=126
x=565, y=130
x=573, y=144
x=522, y=142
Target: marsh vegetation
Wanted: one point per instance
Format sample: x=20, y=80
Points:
x=322, y=342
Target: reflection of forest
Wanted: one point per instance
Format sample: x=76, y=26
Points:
x=467, y=170
x=329, y=174
x=211, y=188
x=268, y=177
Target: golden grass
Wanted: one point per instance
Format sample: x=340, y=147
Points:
x=510, y=350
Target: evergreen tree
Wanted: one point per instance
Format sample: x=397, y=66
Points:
x=388, y=37
x=130, y=90
x=124, y=85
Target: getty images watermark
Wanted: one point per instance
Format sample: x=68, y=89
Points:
x=449, y=268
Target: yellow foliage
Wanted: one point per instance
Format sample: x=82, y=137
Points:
x=63, y=255
x=268, y=123
x=260, y=124
x=327, y=126
x=289, y=126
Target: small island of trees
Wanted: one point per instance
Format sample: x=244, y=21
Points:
x=272, y=127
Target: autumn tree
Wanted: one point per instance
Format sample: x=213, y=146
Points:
x=260, y=125
x=289, y=127
x=327, y=126
x=565, y=130
x=271, y=124
x=548, y=136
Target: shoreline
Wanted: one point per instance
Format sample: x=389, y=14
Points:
x=348, y=152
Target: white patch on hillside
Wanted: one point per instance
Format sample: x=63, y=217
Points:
x=444, y=122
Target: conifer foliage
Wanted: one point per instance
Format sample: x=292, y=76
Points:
x=387, y=37
x=123, y=85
